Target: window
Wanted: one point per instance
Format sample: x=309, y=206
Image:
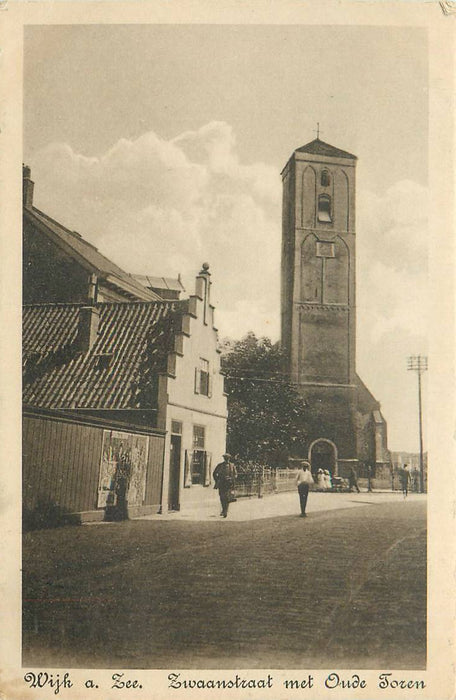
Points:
x=324, y=208
x=198, y=466
x=203, y=378
x=104, y=360
x=198, y=437
x=325, y=180
x=176, y=427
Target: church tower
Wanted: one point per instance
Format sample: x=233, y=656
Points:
x=318, y=309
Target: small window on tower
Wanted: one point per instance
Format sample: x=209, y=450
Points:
x=324, y=208
x=325, y=179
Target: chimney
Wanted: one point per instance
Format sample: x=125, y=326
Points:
x=27, y=187
x=93, y=289
x=89, y=318
x=203, y=288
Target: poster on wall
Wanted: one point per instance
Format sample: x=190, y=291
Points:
x=138, y=471
x=123, y=462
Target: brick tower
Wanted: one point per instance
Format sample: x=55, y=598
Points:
x=318, y=332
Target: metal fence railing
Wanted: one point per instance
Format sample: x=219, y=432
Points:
x=255, y=480
x=396, y=481
x=264, y=480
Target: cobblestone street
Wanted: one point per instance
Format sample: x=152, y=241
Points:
x=345, y=587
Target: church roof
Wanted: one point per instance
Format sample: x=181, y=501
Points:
x=366, y=400
x=320, y=148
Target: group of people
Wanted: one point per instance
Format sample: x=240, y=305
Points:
x=324, y=482
x=225, y=473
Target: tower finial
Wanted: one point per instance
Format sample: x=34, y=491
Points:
x=318, y=130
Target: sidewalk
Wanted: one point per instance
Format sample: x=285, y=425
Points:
x=282, y=504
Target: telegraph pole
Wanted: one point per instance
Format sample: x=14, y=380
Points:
x=419, y=364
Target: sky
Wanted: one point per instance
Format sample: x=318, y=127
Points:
x=163, y=146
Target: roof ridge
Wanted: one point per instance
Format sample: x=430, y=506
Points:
x=76, y=234
x=86, y=250
x=319, y=147
x=123, y=302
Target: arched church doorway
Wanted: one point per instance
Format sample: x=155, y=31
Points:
x=323, y=455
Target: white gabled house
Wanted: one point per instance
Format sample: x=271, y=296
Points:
x=192, y=406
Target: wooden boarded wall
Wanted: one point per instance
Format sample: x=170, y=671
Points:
x=61, y=464
x=155, y=475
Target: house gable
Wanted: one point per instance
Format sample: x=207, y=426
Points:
x=59, y=265
x=195, y=379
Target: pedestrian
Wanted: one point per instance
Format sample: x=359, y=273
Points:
x=224, y=480
x=405, y=480
x=328, y=480
x=303, y=481
x=353, y=480
x=369, y=478
x=321, y=481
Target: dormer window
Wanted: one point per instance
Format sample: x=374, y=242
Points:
x=104, y=360
x=325, y=179
x=324, y=208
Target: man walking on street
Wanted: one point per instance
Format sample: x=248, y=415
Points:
x=303, y=481
x=405, y=479
x=224, y=480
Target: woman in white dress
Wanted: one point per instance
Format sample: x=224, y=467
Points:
x=321, y=481
x=328, y=482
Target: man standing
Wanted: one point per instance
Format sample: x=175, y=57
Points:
x=224, y=480
x=353, y=479
x=405, y=479
x=303, y=481
x=369, y=478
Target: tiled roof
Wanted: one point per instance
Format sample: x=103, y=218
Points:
x=320, y=148
x=133, y=337
x=88, y=254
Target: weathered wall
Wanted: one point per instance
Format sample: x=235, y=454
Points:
x=61, y=465
x=48, y=274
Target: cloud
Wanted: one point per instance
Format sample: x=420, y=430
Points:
x=164, y=207
x=393, y=300
x=392, y=255
x=396, y=226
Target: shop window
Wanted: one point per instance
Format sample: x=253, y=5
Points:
x=198, y=437
x=198, y=466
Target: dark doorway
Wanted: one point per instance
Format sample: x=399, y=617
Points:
x=174, y=472
x=323, y=456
